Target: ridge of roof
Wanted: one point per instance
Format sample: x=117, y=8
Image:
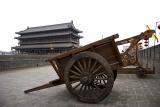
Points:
x=48, y=28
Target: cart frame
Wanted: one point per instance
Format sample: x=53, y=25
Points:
x=92, y=68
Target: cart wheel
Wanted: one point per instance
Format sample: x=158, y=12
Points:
x=89, y=77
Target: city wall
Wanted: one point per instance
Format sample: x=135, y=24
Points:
x=150, y=58
x=8, y=62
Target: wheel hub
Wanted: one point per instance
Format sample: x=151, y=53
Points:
x=86, y=79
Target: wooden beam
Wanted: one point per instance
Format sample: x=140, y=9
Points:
x=44, y=86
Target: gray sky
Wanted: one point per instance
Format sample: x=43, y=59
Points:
x=94, y=17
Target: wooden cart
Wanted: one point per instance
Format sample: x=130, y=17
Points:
x=89, y=71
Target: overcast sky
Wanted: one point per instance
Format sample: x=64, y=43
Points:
x=94, y=17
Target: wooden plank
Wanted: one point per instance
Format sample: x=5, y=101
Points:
x=44, y=86
x=117, y=54
x=61, y=75
x=81, y=49
x=92, y=49
x=56, y=69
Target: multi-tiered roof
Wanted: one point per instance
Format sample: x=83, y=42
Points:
x=48, y=39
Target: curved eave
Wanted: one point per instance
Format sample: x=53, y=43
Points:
x=28, y=37
x=77, y=30
x=74, y=28
x=81, y=37
x=77, y=35
x=27, y=32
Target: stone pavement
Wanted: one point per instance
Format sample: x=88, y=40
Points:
x=128, y=90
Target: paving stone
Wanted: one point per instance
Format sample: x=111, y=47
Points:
x=128, y=90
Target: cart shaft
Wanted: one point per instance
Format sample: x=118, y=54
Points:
x=48, y=85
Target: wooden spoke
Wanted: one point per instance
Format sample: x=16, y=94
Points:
x=80, y=65
x=72, y=82
x=74, y=77
x=81, y=89
x=75, y=73
x=104, y=79
x=77, y=86
x=97, y=69
x=84, y=91
x=92, y=68
x=84, y=63
x=88, y=91
x=100, y=80
x=88, y=88
x=89, y=64
x=101, y=73
x=105, y=76
x=77, y=68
